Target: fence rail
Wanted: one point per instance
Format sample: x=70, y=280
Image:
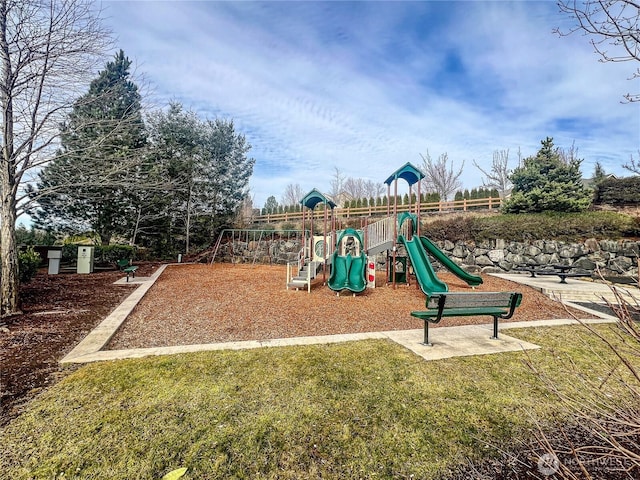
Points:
x=490, y=203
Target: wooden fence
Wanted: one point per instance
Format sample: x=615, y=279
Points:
x=490, y=203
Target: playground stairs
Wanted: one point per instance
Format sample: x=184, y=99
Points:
x=382, y=235
x=307, y=273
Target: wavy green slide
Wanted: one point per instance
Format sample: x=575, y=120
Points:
x=348, y=272
x=472, y=280
x=427, y=278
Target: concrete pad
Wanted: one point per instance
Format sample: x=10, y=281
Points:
x=574, y=290
x=459, y=341
x=134, y=281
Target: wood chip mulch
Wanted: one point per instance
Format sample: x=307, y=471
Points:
x=196, y=304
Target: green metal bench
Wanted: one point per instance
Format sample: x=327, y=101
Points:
x=127, y=268
x=500, y=305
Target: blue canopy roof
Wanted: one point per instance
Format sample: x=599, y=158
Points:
x=314, y=197
x=407, y=172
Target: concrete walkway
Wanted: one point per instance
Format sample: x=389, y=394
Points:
x=447, y=341
x=574, y=290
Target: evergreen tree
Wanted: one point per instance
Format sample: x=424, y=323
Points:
x=271, y=205
x=598, y=174
x=458, y=197
x=89, y=185
x=545, y=182
x=174, y=143
x=224, y=173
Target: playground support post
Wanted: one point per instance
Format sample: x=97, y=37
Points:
x=395, y=230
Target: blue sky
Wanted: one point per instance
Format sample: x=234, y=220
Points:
x=368, y=86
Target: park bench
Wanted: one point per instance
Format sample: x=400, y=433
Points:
x=466, y=304
x=127, y=268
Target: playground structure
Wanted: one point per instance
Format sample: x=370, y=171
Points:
x=349, y=254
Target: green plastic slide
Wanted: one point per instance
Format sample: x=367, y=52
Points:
x=426, y=276
x=348, y=272
x=472, y=280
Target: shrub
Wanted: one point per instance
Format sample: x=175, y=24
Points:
x=618, y=191
x=534, y=226
x=113, y=253
x=288, y=226
x=28, y=262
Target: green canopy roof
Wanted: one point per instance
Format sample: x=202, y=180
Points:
x=313, y=198
x=407, y=172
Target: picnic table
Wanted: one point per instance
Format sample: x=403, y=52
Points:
x=561, y=270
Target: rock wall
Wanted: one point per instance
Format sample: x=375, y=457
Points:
x=612, y=257
x=278, y=252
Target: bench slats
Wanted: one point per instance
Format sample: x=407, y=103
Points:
x=461, y=312
x=472, y=299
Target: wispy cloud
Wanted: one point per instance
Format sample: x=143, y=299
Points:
x=367, y=86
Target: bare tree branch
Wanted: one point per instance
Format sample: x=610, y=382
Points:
x=498, y=176
x=612, y=23
x=440, y=177
x=48, y=52
x=633, y=165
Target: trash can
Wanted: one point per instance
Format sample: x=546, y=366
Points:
x=54, y=257
x=85, y=259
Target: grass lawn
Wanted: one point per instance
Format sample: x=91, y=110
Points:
x=363, y=409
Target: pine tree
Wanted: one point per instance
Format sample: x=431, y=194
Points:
x=271, y=205
x=89, y=184
x=598, y=174
x=546, y=182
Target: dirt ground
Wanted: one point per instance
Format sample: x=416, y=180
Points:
x=58, y=311
x=201, y=304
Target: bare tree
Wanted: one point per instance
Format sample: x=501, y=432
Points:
x=292, y=194
x=612, y=24
x=344, y=189
x=373, y=189
x=440, y=177
x=634, y=165
x=354, y=188
x=49, y=49
x=569, y=155
x=337, y=186
x=498, y=176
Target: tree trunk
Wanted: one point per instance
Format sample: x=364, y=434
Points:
x=188, y=225
x=132, y=242
x=10, y=282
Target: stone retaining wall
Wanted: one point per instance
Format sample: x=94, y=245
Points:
x=612, y=257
